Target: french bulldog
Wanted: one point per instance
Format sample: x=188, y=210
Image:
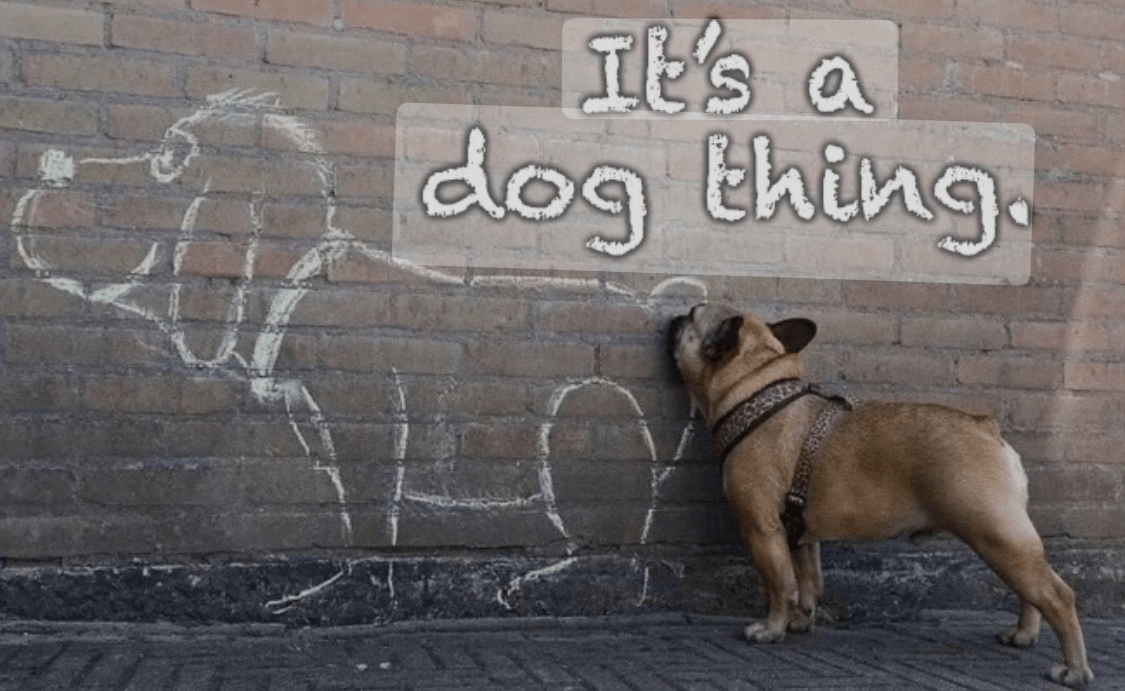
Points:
x=876, y=470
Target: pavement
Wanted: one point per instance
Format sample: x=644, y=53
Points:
x=947, y=650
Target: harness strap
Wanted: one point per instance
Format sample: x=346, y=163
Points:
x=748, y=415
x=793, y=517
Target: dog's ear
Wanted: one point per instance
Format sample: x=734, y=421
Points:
x=794, y=334
x=723, y=339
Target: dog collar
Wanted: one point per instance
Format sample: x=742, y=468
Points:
x=748, y=415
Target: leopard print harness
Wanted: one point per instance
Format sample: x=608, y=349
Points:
x=747, y=416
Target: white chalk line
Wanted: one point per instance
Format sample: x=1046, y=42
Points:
x=287, y=602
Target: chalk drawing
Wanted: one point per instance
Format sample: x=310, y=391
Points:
x=178, y=151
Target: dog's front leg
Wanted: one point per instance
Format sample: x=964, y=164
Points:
x=769, y=552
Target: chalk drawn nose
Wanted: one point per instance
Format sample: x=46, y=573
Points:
x=56, y=168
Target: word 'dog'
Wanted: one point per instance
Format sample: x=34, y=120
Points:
x=473, y=174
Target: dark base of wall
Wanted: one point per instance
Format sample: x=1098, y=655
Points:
x=894, y=581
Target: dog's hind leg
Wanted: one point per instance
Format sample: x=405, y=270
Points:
x=1025, y=633
x=1011, y=547
x=810, y=584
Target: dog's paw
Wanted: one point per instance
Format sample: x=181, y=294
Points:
x=758, y=632
x=1017, y=638
x=1067, y=676
x=802, y=623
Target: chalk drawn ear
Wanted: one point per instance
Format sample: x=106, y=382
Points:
x=794, y=334
x=723, y=339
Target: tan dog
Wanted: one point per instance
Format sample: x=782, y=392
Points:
x=881, y=470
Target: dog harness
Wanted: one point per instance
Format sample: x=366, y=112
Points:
x=747, y=416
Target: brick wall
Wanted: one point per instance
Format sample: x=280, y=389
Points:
x=207, y=351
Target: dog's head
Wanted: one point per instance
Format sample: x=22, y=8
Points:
x=715, y=347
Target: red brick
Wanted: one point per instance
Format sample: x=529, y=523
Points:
x=500, y=441
x=213, y=259
x=1074, y=335
x=367, y=96
x=406, y=355
x=944, y=107
x=1068, y=120
x=854, y=328
x=912, y=9
x=977, y=333
x=172, y=395
x=521, y=28
x=344, y=309
x=7, y=65
x=632, y=361
x=189, y=38
x=298, y=11
x=294, y=89
x=1101, y=447
x=90, y=255
x=1094, y=21
x=917, y=75
x=163, y=4
x=974, y=43
x=251, y=175
x=697, y=9
x=1070, y=411
x=335, y=53
x=910, y=296
x=274, y=261
x=7, y=165
x=532, y=359
x=39, y=23
x=1009, y=372
x=1016, y=300
x=411, y=18
x=357, y=268
x=1020, y=14
x=62, y=209
x=1098, y=301
x=1092, y=160
x=365, y=182
x=55, y=117
x=1053, y=51
x=1074, y=483
x=1095, y=376
x=358, y=138
x=904, y=369
x=489, y=66
x=447, y=313
x=1095, y=522
x=620, y=8
x=1008, y=82
x=555, y=317
x=1074, y=265
x=1069, y=196
x=87, y=73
